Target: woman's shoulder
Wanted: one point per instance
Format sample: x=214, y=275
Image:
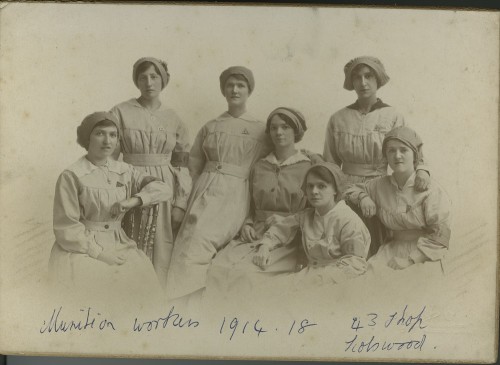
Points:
x=127, y=104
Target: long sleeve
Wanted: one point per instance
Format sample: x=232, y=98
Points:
x=281, y=233
x=69, y=231
x=356, y=192
x=180, y=159
x=329, y=151
x=354, y=238
x=118, y=149
x=434, y=244
x=197, y=156
x=250, y=217
x=150, y=189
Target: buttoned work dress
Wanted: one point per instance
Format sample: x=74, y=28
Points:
x=220, y=161
x=84, y=227
x=418, y=222
x=276, y=189
x=354, y=142
x=157, y=143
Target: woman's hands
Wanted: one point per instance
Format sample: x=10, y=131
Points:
x=399, y=263
x=422, y=180
x=368, y=207
x=261, y=258
x=177, y=217
x=112, y=257
x=123, y=206
x=248, y=233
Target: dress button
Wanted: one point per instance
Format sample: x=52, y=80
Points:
x=272, y=190
x=315, y=262
x=106, y=226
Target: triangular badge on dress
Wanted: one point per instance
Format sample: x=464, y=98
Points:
x=245, y=131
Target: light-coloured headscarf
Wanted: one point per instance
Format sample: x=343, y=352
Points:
x=160, y=65
x=296, y=117
x=407, y=136
x=373, y=63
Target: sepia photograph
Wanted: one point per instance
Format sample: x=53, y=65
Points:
x=260, y=182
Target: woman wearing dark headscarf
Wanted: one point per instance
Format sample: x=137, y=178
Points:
x=355, y=133
x=92, y=254
x=155, y=140
x=220, y=161
x=276, y=191
x=418, y=221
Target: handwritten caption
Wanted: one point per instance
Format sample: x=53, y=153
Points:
x=398, y=330
x=91, y=319
x=410, y=323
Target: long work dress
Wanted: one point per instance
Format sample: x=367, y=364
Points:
x=220, y=161
x=156, y=142
x=336, y=245
x=276, y=189
x=84, y=227
x=354, y=142
x=419, y=222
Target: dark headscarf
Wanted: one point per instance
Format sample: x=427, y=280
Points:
x=85, y=128
x=237, y=70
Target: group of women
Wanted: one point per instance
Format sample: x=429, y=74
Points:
x=244, y=206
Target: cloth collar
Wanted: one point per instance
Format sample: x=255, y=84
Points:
x=245, y=116
x=135, y=103
x=297, y=157
x=379, y=104
x=341, y=205
x=410, y=183
x=84, y=167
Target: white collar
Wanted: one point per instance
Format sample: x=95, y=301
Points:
x=295, y=158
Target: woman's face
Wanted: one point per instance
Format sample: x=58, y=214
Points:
x=399, y=156
x=320, y=193
x=149, y=83
x=364, y=82
x=236, y=91
x=102, y=143
x=281, y=133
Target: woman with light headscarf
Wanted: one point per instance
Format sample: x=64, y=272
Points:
x=220, y=161
x=155, y=140
x=276, y=191
x=354, y=134
x=418, y=221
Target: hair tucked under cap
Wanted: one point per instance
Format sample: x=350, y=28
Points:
x=373, y=63
x=85, y=128
x=160, y=65
x=407, y=136
x=337, y=177
x=237, y=70
x=292, y=117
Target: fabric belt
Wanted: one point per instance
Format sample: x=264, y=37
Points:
x=262, y=215
x=408, y=235
x=101, y=226
x=360, y=169
x=147, y=159
x=227, y=169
